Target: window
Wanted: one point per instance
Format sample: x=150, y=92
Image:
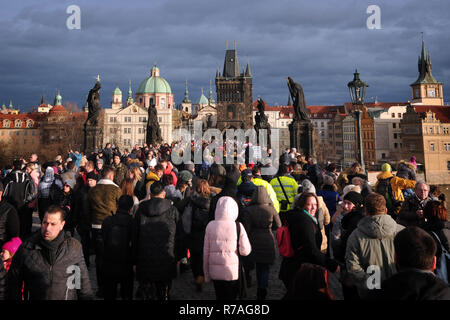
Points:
x=393, y=115
x=431, y=146
x=321, y=124
x=18, y=124
x=160, y=119
x=395, y=136
x=431, y=130
x=399, y=115
x=127, y=130
x=394, y=125
x=445, y=147
x=396, y=145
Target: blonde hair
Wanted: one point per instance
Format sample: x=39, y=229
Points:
x=137, y=173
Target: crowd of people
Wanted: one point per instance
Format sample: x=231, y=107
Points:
x=144, y=218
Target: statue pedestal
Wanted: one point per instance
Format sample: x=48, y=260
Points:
x=301, y=137
x=93, y=139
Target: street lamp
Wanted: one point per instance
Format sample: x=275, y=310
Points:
x=357, y=90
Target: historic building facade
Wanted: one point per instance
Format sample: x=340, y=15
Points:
x=234, y=94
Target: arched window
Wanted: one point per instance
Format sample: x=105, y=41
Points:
x=230, y=111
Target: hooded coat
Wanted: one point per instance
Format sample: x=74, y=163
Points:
x=260, y=218
x=220, y=258
x=372, y=243
x=406, y=170
x=155, y=240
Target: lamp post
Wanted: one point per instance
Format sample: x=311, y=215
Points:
x=357, y=90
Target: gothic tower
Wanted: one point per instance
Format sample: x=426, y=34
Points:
x=234, y=94
x=426, y=89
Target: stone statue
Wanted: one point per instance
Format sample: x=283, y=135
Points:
x=153, y=129
x=298, y=98
x=261, y=120
x=94, y=107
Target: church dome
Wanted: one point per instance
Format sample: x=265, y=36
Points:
x=117, y=91
x=202, y=100
x=154, y=84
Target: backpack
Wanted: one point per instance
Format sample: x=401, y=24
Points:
x=284, y=242
x=385, y=189
x=443, y=265
x=19, y=193
x=56, y=194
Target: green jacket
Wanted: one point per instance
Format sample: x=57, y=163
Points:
x=103, y=200
x=290, y=187
x=371, y=244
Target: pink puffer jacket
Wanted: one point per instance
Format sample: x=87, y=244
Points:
x=220, y=259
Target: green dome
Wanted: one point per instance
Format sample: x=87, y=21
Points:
x=117, y=91
x=154, y=84
x=202, y=99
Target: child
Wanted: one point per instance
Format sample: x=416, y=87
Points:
x=8, y=251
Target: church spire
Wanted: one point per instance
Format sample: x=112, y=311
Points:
x=186, y=94
x=130, y=94
x=424, y=66
x=231, y=64
x=211, y=98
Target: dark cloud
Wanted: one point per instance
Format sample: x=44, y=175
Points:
x=319, y=44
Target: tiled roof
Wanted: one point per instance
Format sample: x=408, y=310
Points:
x=442, y=112
x=23, y=117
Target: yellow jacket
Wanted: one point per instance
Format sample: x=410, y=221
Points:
x=270, y=191
x=398, y=184
x=290, y=187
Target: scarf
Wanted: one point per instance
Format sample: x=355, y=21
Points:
x=51, y=247
x=313, y=218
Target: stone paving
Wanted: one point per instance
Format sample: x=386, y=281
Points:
x=183, y=287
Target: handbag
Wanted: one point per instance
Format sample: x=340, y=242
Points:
x=242, y=281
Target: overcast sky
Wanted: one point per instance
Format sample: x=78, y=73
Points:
x=318, y=43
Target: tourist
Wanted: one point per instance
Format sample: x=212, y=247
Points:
x=411, y=212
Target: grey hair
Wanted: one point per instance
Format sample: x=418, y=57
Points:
x=418, y=183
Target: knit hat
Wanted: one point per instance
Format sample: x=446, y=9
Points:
x=308, y=186
x=355, y=198
x=70, y=183
x=386, y=167
x=328, y=180
x=185, y=176
x=92, y=175
x=12, y=245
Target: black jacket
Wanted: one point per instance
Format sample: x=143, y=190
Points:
x=407, y=215
x=116, y=233
x=200, y=219
x=2, y=282
x=348, y=224
x=80, y=209
x=414, y=285
x=20, y=191
x=9, y=222
x=44, y=281
x=155, y=240
x=306, y=239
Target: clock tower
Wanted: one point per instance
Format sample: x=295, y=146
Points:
x=234, y=94
x=426, y=89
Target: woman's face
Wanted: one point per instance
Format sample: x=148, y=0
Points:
x=311, y=206
x=348, y=206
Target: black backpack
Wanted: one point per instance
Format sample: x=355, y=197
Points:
x=56, y=194
x=385, y=189
x=19, y=193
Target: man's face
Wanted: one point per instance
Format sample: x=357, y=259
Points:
x=116, y=160
x=51, y=226
x=422, y=191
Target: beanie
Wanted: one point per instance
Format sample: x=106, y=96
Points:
x=308, y=186
x=386, y=167
x=185, y=175
x=355, y=198
x=12, y=245
x=328, y=180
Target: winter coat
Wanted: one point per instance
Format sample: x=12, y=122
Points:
x=172, y=193
x=330, y=197
x=103, y=200
x=116, y=234
x=408, y=213
x=398, y=184
x=290, y=187
x=412, y=285
x=155, y=240
x=2, y=282
x=82, y=219
x=9, y=222
x=372, y=243
x=228, y=190
x=406, y=170
x=347, y=225
x=200, y=219
x=306, y=239
x=44, y=281
x=220, y=258
x=259, y=219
